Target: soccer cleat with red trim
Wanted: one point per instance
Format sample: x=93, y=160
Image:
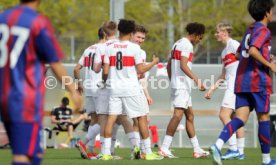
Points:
x=200, y=154
x=82, y=148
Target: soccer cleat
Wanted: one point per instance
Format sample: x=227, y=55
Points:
x=97, y=157
x=89, y=155
x=135, y=154
x=272, y=162
x=82, y=148
x=166, y=154
x=216, y=155
x=200, y=154
x=142, y=156
x=107, y=157
x=230, y=154
x=153, y=156
x=241, y=157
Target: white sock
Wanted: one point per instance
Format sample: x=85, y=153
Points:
x=102, y=144
x=114, y=136
x=219, y=143
x=93, y=131
x=195, y=144
x=142, y=147
x=107, y=146
x=241, y=144
x=167, y=142
x=266, y=158
x=233, y=142
x=147, y=145
x=132, y=139
x=137, y=137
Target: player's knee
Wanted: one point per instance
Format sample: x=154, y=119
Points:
x=21, y=158
x=190, y=117
x=177, y=118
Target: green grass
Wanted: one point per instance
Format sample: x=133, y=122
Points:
x=72, y=157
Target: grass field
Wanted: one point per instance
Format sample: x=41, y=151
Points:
x=72, y=157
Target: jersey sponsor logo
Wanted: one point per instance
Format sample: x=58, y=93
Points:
x=120, y=46
x=176, y=54
x=229, y=59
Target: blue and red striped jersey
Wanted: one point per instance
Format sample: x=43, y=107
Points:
x=252, y=76
x=27, y=42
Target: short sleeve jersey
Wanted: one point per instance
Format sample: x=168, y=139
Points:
x=27, y=42
x=182, y=48
x=122, y=56
x=230, y=63
x=88, y=60
x=252, y=76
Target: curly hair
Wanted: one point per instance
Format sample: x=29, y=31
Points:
x=195, y=28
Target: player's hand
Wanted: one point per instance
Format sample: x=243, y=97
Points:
x=200, y=85
x=77, y=99
x=149, y=99
x=272, y=58
x=209, y=94
x=155, y=59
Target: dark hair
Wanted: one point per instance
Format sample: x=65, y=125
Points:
x=110, y=28
x=195, y=28
x=126, y=26
x=258, y=8
x=65, y=101
x=101, y=33
x=140, y=28
x=26, y=1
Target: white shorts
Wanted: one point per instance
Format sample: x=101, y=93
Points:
x=229, y=99
x=102, y=102
x=181, y=98
x=90, y=104
x=146, y=104
x=133, y=106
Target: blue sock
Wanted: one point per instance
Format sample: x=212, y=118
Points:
x=230, y=128
x=36, y=161
x=20, y=163
x=264, y=136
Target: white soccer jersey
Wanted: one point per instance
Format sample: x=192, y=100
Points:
x=88, y=60
x=179, y=80
x=143, y=55
x=122, y=56
x=230, y=62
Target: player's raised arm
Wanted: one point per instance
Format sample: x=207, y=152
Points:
x=59, y=72
x=142, y=68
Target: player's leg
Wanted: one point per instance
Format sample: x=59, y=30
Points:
x=25, y=143
x=262, y=107
x=135, y=109
x=190, y=128
x=242, y=114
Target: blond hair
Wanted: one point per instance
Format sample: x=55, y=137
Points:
x=225, y=27
x=110, y=28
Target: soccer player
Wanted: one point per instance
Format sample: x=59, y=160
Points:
x=138, y=37
x=121, y=60
x=91, y=80
x=181, y=77
x=230, y=65
x=110, y=30
x=253, y=84
x=27, y=42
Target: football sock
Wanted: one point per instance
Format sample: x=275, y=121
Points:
x=107, y=146
x=102, y=144
x=132, y=139
x=195, y=144
x=20, y=163
x=114, y=136
x=264, y=138
x=93, y=131
x=233, y=142
x=167, y=142
x=240, y=144
x=147, y=145
x=137, y=137
x=230, y=128
x=36, y=161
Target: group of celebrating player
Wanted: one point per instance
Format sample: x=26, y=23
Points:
x=117, y=69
